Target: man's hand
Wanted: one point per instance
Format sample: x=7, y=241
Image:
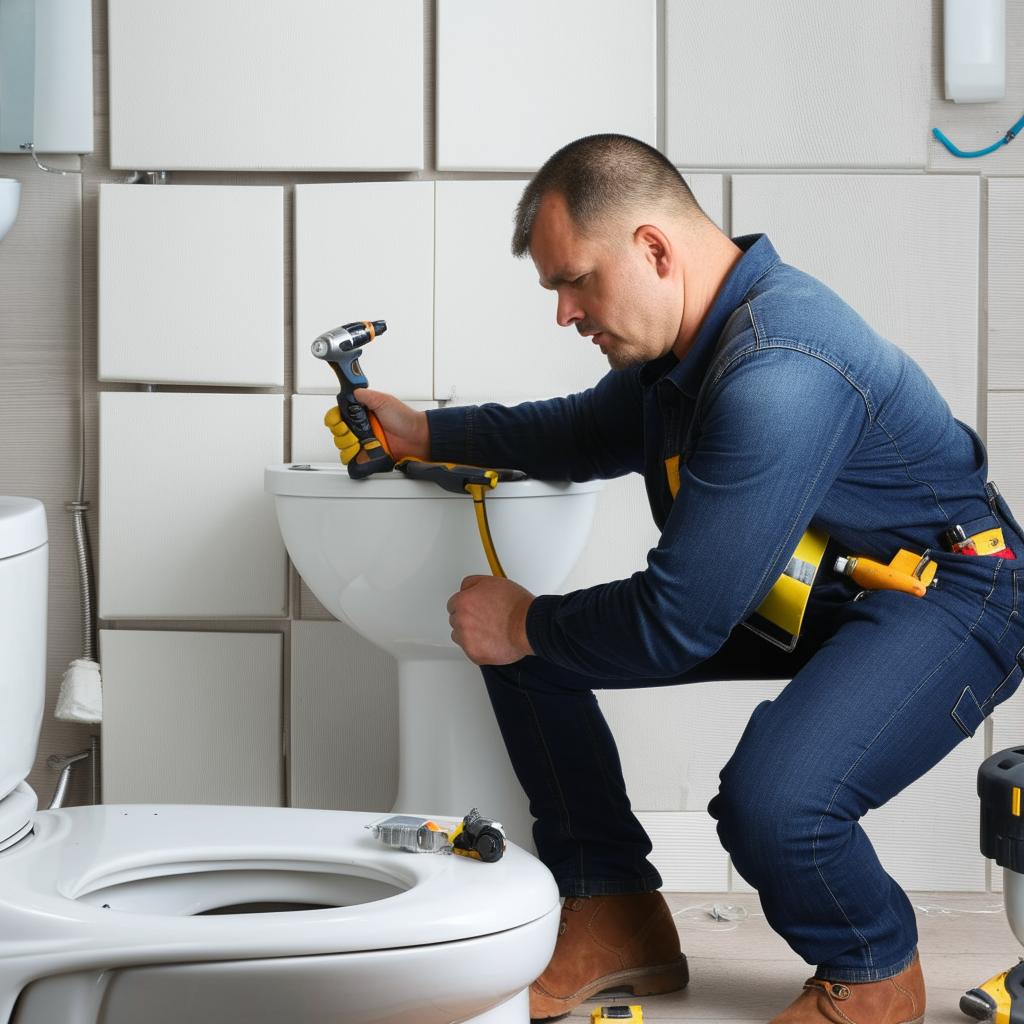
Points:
x=488, y=619
x=405, y=428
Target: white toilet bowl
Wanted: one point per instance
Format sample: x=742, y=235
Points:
x=383, y=555
x=167, y=914
x=197, y=914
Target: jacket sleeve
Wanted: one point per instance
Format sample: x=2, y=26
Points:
x=597, y=433
x=775, y=430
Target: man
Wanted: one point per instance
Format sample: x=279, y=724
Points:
x=756, y=404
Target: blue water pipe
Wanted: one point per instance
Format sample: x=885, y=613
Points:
x=1010, y=135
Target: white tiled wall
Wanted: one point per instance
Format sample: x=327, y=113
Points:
x=191, y=718
x=1005, y=275
x=759, y=100
x=791, y=84
x=517, y=81
x=191, y=284
x=290, y=84
x=365, y=251
x=901, y=249
x=186, y=530
x=494, y=326
x=343, y=723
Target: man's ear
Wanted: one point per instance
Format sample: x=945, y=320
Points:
x=657, y=247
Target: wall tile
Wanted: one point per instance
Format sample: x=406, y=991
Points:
x=901, y=249
x=623, y=533
x=577, y=68
x=494, y=326
x=686, y=851
x=344, y=720
x=1006, y=447
x=927, y=836
x=788, y=85
x=192, y=718
x=311, y=440
x=191, y=284
x=365, y=250
x=674, y=740
x=186, y=530
x=1005, y=274
x=708, y=190
x=284, y=84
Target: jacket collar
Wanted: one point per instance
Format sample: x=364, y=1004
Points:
x=759, y=255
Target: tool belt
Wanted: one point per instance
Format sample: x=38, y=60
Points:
x=780, y=615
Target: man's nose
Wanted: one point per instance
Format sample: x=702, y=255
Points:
x=568, y=311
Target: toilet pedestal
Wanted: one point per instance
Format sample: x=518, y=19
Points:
x=452, y=754
x=384, y=555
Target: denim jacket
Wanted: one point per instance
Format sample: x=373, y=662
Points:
x=788, y=410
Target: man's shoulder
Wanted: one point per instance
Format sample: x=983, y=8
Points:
x=790, y=307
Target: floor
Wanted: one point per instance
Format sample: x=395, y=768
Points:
x=741, y=972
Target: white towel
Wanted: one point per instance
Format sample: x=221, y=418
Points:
x=81, y=693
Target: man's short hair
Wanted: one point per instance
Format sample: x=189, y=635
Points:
x=597, y=175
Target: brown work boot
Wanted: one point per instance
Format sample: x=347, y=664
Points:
x=626, y=942
x=897, y=1000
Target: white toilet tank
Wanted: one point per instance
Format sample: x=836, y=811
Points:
x=23, y=583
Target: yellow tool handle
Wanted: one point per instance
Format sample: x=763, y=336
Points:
x=873, y=575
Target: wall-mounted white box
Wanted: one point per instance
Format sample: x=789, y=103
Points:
x=516, y=82
x=494, y=326
x=365, y=251
x=191, y=284
x=792, y=84
x=275, y=85
x=192, y=718
x=902, y=250
x=186, y=530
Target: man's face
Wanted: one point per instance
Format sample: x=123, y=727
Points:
x=608, y=286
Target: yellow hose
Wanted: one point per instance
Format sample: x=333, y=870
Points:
x=476, y=492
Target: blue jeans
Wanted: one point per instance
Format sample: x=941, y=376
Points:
x=883, y=686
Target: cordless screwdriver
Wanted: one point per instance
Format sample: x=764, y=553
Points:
x=341, y=348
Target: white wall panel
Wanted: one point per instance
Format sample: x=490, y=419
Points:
x=623, y=533
x=516, y=82
x=303, y=84
x=185, y=527
x=311, y=440
x=927, y=836
x=686, y=851
x=708, y=190
x=1005, y=278
x=344, y=720
x=191, y=717
x=191, y=284
x=674, y=740
x=901, y=249
x=792, y=84
x=1006, y=447
x=365, y=251
x=494, y=326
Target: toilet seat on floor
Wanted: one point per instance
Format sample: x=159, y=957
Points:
x=91, y=869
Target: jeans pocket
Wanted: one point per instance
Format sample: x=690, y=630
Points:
x=1008, y=687
x=967, y=712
